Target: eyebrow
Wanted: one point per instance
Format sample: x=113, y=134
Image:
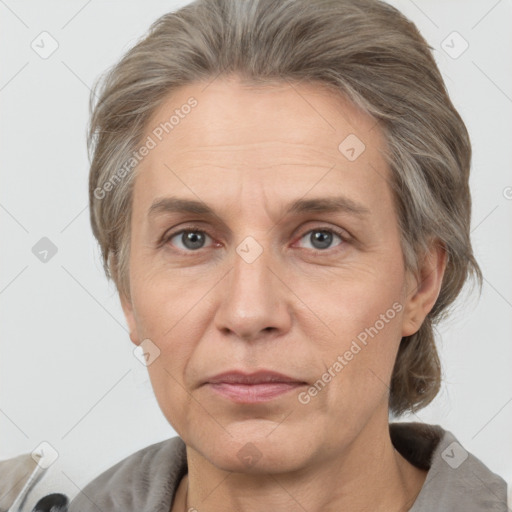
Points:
x=337, y=204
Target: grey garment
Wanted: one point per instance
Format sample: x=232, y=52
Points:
x=456, y=481
x=146, y=481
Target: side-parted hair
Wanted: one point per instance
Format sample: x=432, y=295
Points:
x=364, y=50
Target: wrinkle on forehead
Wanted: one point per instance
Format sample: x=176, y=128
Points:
x=272, y=143
x=319, y=106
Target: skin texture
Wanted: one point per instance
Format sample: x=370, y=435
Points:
x=247, y=152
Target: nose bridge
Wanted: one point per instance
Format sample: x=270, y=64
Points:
x=251, y=273
x=252, y=299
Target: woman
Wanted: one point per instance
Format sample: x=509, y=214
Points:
x=280, y=193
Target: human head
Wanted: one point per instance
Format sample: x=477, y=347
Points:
x=365, y=51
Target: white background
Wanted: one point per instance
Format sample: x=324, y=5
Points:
x=67, y=369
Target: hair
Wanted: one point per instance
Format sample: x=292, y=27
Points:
x=364, y=50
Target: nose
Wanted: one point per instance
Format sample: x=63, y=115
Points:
x=254, y=301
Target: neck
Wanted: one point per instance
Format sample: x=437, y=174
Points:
x=369, y=474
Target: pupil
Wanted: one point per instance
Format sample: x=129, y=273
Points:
x=321, y=239
x=192, y=240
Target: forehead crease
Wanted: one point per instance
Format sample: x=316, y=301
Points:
x=272, y=149
x=174, y=204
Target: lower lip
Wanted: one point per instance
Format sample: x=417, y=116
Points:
x=253, y=393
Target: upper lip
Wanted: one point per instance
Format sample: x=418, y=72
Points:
x=258, y=377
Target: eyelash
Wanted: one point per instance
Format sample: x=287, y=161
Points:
x=195, y=229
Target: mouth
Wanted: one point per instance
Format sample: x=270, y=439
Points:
x=257, y=387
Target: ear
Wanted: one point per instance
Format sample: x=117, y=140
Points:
x=129, y=314
x=126, y=303
x=422, y=289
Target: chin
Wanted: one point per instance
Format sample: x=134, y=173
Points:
x=254, y=449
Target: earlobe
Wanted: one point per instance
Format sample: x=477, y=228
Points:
x=126, y=302
x=422, y=289
x=127, y=306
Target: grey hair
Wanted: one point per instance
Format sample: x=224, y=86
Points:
x=364, y=50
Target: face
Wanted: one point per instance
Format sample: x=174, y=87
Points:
x=292, y=264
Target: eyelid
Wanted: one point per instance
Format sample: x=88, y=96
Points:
x=340, y=232
x=167, y=236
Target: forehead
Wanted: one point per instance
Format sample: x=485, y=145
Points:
x=225, y=137
x=225, y=109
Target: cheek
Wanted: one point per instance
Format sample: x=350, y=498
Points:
x=365, y=319
x=161, y=301
x=167, y=315
x=165, y=323
x=171, y=310
x=365, y=302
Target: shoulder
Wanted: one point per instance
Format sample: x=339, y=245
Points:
x=144, y=481
x=456, y=479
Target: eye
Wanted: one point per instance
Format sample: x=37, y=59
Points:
x=191, y=239
x=322, y=239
